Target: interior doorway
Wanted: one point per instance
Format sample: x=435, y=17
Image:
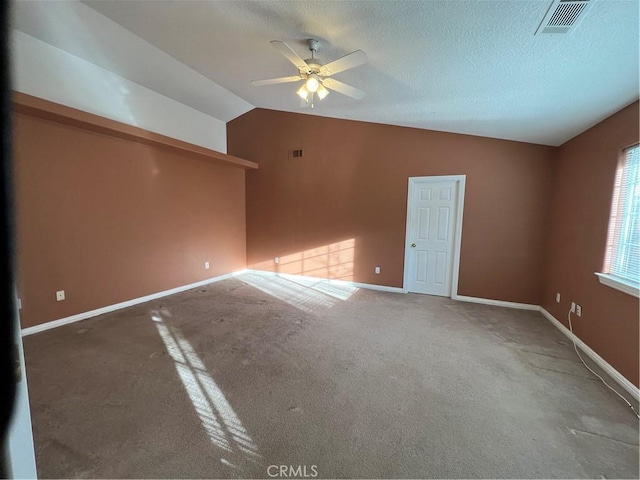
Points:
x=433, y=234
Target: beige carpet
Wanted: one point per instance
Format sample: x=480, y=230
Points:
x=230, y=379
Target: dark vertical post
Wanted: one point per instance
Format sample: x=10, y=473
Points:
x=7, y=294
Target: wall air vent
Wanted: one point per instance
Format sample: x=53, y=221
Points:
x=295, y=153
x=563, y=16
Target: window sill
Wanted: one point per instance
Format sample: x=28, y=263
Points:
x=619, y=284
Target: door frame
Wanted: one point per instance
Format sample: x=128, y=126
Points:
x=457, y=237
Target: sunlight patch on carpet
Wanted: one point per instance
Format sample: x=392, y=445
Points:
x=216, y=415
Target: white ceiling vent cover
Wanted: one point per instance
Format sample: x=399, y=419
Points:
x=563, y=16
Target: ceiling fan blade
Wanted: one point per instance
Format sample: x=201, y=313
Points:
x=351, y=60
x=291, y=55
x=273, y=81
x=343, y=88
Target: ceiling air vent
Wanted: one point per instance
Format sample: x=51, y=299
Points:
x=563, y=16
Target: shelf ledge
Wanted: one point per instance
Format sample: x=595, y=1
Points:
x=38, y=107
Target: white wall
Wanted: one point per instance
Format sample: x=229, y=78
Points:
x=20, y=451
x=44, y=71
x=78, y=29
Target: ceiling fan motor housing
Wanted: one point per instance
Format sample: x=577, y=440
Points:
x=314, y=64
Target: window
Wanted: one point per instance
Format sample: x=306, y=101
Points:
x=622, y=256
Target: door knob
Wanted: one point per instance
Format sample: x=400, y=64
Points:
x=413, y=245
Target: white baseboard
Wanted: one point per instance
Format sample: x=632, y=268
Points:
x=371, y=286
x=368, y=286
x=597, y=359
x=496, y=303
x=110, y=308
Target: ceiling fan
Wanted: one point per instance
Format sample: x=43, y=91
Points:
x=316, y=76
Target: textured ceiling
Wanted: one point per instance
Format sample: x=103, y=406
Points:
x=461, y=66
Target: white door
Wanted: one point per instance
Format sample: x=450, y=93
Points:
x=431, y=228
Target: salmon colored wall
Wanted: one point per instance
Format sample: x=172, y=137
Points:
x=586, y=167
x=108, y=220
x=350, y=188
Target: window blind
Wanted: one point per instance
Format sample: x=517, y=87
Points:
x=623, y=249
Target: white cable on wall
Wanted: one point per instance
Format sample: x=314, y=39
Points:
x=575, y=347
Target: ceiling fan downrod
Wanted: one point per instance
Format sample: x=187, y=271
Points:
x=313, y=46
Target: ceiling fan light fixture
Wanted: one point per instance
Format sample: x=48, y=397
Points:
x=322, y=92
x=313, y=82
x=316, y=76
x=303, y=92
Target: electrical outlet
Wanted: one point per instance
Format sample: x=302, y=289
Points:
x=206, y=265
x=578, y=310
x=377, y=270
x=276, y=260
x=573, y=307
x=557, y=298
x=60, y=295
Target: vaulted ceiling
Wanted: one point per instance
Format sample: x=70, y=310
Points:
x=471, y=67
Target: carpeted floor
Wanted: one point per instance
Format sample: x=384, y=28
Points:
x=229, y=379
